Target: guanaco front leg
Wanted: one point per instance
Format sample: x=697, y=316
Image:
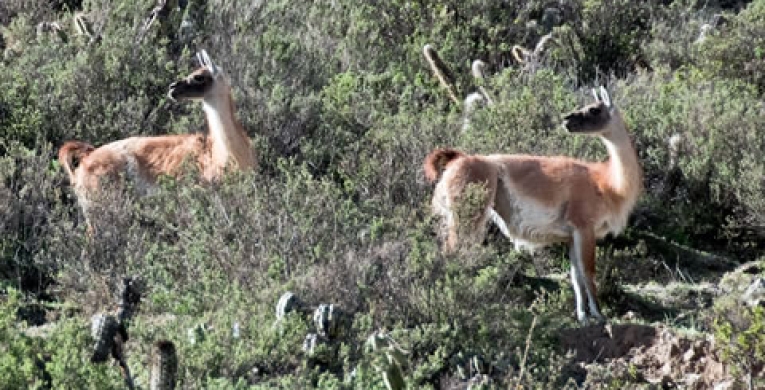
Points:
x=582, y=255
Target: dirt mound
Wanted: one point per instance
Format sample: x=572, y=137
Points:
x=645, y=354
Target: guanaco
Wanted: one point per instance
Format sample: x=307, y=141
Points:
x=143, y=159
x=538, y=200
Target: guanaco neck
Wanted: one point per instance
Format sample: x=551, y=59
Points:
x=229, y=141
x=625, y=174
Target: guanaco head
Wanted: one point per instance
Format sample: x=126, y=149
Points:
x=206, y=82
x=593, y=118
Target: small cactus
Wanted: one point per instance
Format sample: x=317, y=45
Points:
x=393, y=378
x=480, y=370
x=329, y=321
x=317, y=348
x=478, y=365
x=82, y=25
x=310, y=342
x=129, y=297
x=288, y=303
x=479, y=382
x=392, y=362
x=478, y=69
x=531, y=60
x=164, y=366
x=445, y=76
x=110, y=331
x=197, y=333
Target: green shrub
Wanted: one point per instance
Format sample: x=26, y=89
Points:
x=741, y=342
x=717, y=125
x=604, y=37
x=59, y=360
x=737, y=49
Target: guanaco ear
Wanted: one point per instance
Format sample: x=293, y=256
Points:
x=204, y=60
x=604, y=96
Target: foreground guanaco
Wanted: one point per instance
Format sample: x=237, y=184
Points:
x=143, y=159
x=538, y=201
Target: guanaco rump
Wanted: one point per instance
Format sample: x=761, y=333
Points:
x=538, y=201
x=143, y=159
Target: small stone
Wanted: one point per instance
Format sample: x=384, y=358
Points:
x=689, y=355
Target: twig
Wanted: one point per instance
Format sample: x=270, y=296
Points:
x=526, y=353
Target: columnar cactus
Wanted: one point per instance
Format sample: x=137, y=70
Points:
x=164, y=366
x=103, y=327
x=328, y=320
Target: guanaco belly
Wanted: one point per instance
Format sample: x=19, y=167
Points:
x=530, y=225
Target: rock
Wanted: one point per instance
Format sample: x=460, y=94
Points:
x=663, y=357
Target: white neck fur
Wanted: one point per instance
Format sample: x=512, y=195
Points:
x=224, y=129
x=623, y=166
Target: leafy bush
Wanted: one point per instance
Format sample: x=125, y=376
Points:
x=737, y=50
x=717, y=125
x=742, y=345
x=58, y=361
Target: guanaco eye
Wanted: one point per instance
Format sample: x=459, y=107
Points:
x=594, y=111
x=198, y=78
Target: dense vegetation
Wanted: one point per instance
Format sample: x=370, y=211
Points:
x=342, y=108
